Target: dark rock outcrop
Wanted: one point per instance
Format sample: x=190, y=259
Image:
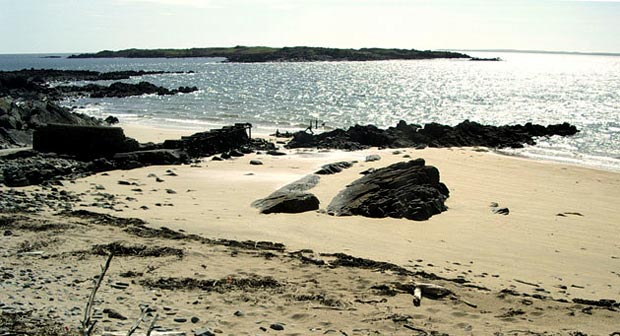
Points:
x=215, y=141
x=70, y=151
x=20, y=117
x=150, y=157
x=467, y=133
x=334, y=168
x=82, y=141
x=120, y=90
x=288, y=203
x=409, y=190
x=27, y=101
x=29, y=167
x=292, y=198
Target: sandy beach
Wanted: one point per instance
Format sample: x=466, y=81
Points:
x=558, y=243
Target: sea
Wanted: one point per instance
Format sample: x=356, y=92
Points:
x=583, y=90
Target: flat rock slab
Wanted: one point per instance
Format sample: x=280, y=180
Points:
x=292, y=198
x=409, y=190
x=295, y=202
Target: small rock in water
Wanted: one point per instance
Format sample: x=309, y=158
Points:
x=194, y=319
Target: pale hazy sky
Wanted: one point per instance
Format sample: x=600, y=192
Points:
x=93, y=25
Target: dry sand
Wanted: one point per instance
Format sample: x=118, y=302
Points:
x=560, y=241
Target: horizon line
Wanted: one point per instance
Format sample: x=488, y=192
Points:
x=535, y=51
x=507, y=50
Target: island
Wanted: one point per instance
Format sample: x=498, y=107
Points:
x=243, y=54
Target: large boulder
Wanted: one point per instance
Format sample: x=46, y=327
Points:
x=409, y=190
x=19, y=118
x=295, y=202
x=82, y=141
x=292, y=198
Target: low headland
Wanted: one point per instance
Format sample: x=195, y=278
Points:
x=243, y=54
x=414, y=229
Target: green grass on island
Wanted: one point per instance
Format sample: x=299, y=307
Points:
x=244, y=54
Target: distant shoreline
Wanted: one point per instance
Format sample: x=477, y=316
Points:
x=242, y=54
x=517, y=51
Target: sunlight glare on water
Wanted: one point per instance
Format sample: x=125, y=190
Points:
x=539, y=88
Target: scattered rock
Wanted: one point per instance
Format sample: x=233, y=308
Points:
x=277, y=327
x=113, y=314
x=334, y=168
x=372, y=158
x=203, y=332
x=275, y=153
x=256, y=162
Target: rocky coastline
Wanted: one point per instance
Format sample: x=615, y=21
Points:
x=28, y=101
x=243, y=54
x=183, y=283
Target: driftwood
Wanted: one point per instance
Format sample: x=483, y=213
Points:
x=152, y=325
x=135, y=326
x=87, y=324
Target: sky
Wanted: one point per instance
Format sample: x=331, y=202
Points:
x=71, y=26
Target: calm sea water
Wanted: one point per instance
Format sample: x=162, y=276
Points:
x=539, y=88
